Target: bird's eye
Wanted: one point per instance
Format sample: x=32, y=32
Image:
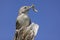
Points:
x=24, y=7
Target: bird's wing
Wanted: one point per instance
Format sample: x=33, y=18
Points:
x=18, y=26
x=30, y=32
x=34, y=27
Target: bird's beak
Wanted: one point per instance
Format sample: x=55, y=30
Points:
x=32, y=6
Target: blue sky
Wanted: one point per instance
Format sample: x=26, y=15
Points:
x=48, y=18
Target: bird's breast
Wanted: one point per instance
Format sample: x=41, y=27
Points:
x=23, y=19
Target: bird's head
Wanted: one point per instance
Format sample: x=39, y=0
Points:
x=25, y=9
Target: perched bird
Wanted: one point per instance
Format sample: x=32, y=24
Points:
x=24, y=27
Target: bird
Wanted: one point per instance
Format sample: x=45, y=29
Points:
x=24, y=27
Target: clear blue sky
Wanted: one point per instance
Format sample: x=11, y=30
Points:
x=48, y=18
